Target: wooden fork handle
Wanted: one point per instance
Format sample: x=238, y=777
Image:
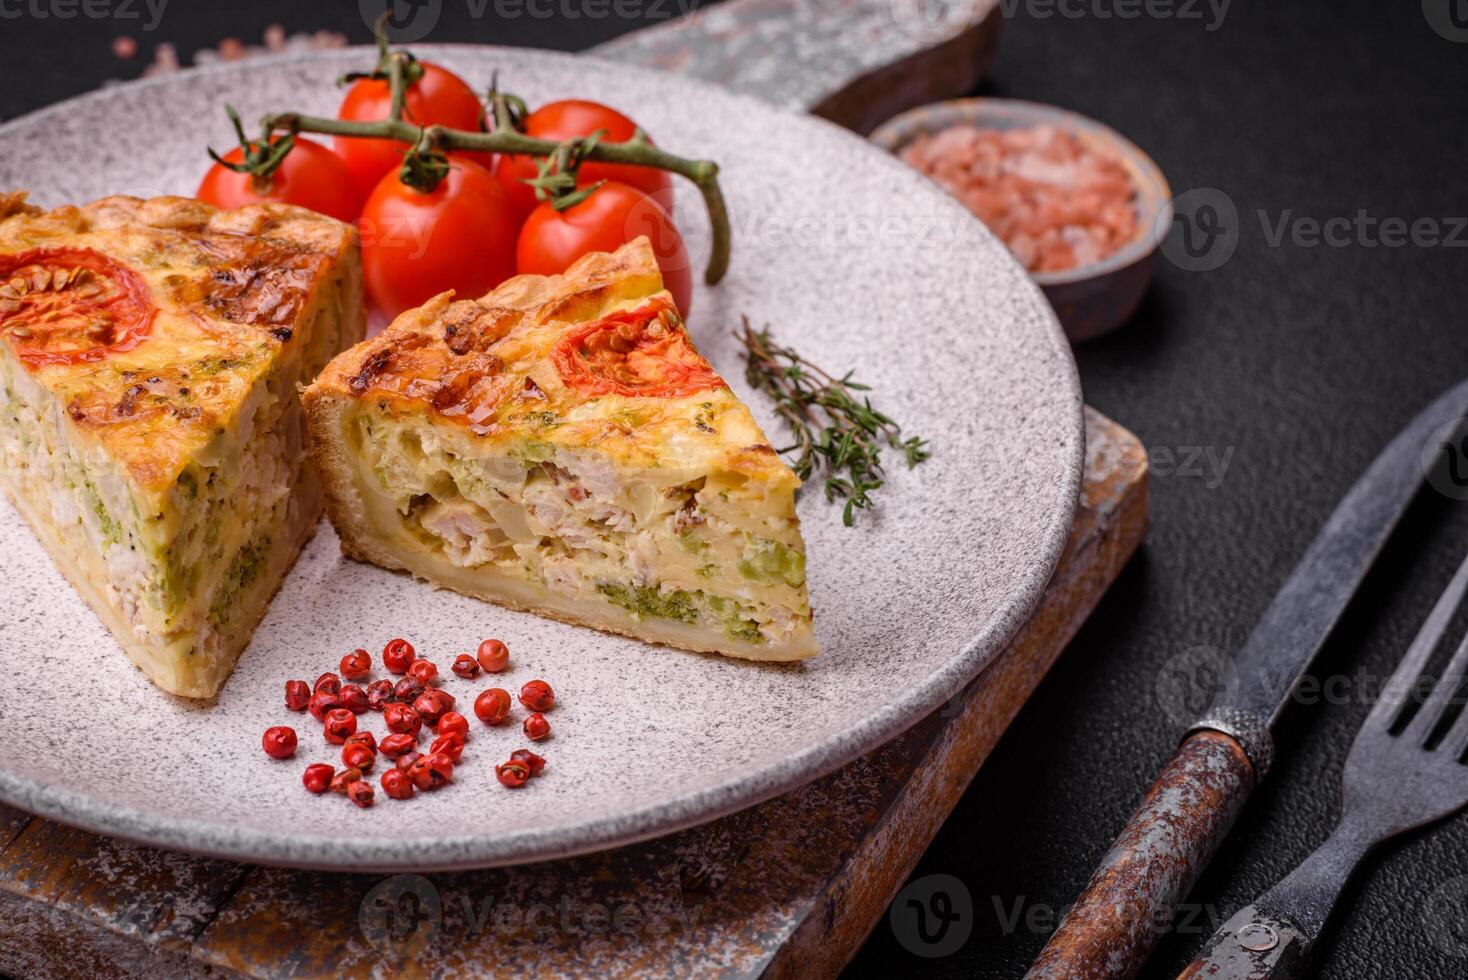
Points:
x=1133, y=896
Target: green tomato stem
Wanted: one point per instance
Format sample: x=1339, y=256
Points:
x=703, y=173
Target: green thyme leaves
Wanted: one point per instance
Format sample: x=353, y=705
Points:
x=837, y=431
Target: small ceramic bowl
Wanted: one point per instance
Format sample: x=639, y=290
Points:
x=1090, y=300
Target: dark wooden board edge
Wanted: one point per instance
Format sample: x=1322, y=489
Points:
x=948, y=69
x=881, y=57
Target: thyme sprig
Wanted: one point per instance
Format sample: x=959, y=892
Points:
x=836, y=429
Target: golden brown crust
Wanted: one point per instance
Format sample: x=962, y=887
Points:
x=14, y=202
x=526, y=362
x=222, y=292
x=344, y=508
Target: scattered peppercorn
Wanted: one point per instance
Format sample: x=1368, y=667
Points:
x=407, y=689
x=360, y=792
x=406, y=704
x=537, y=696
x=340, y=724
x=356, y=665
x=402, y=719
x=345, y=778
x=317, y=777
x=379, y=693
x=529, y=760
x=363, y=738
x=442, y=699
x=493, y=656
x=297, y=695
x=353, y=698
x=536, y=727
x=424, y=671
x=450, y=745
x=397, y=656
x=279, y=742
x=493, y=706
x=512, y=774
x=453, y=723
x=432, y=771
x=397, y=784
x=429, y=708
x=358, y=755
x=397, y=745
x=322, y=702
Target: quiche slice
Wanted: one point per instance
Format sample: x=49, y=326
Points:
x=558, y=445
x=151, y=430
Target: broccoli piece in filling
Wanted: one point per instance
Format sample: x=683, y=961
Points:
x=649, y=601
x=738, y=628
x=684, y=607
x=770, y=562
x=110, y=531
x=246, y=567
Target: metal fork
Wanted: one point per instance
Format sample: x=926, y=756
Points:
x=1392, y=784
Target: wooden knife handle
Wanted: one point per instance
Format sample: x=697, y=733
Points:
x=1132, y=897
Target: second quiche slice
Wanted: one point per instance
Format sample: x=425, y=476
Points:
x=558, y=445
x=150, y=426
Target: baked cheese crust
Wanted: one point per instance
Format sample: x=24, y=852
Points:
x=150, y=427
x=558, y=445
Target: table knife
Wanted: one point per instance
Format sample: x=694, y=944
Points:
x=1152, y=865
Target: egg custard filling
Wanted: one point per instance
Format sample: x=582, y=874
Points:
x=559, y=445
x=151, y=432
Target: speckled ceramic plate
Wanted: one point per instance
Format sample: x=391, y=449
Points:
x=852, y=257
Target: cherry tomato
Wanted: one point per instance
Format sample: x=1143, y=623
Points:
x=612, y=216
x=310, y=176
x=438, y=97
x=459, y=236
x=559, y=121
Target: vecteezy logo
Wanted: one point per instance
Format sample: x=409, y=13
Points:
x=925, y=21
x=407, y=20
x=1449, y=18
x=1189, y=682
x=1445, y=460
x=932, y=916
x=1203, y=232
x=1445, y=916
x=400, y=916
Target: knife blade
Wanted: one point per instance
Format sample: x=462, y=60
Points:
x=1150, y=868
x=1307, y=607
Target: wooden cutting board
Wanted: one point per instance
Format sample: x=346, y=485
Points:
x=790, y=887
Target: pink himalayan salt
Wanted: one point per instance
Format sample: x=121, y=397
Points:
x=1056, y=202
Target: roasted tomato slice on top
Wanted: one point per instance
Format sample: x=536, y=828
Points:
x=69, y=305
x=641, y=352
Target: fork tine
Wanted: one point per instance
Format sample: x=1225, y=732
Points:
x=1437, y=703
x=1456, y=739
x=1394, y=697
